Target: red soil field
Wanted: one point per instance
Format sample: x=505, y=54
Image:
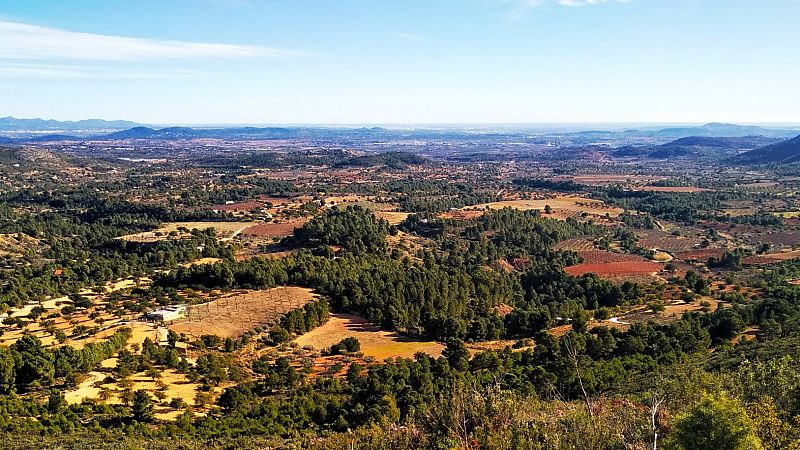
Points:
x=787, y=238
x=602, y=256
x=273, y=229
x=665, y=241
x=701, y=255
x=615, y=269
x=275, y=200
x=758, y=260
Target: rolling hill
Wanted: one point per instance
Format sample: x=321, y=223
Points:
x=782, y=152
x=15, y=124
x=715, y=129
x=696, y=146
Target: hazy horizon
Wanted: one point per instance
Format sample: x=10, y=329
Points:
x=545, y=126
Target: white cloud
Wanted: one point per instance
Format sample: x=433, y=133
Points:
x=534, y=3
x=31, y=42
x=27, y=70
x=410, y=37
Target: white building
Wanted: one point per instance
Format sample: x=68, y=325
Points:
x=167, y=313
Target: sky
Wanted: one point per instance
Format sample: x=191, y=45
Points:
x=401, y=61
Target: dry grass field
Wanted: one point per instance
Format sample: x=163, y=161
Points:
x=95, y=386
x=201, y=261
x=237, y=312
x=666, y=241
x=377, y=343
x=17, y=245
x=393, y=218
x=96, y=328
x=563, y=207
x=225, y=230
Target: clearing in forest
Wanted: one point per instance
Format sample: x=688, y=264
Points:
x=271, y=230
x=562, y=207
x=225, y=230
x=392, y=217
x=377, y=343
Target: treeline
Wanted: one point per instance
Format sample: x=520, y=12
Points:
x=553, y=185
x=442, y=203
x=300, y=320
x=682, y=207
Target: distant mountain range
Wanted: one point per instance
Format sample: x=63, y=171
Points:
x=715, y=129
x=14, y=124
x=197, y=133
x=696, y=146
x=39, y=130
x=781, y=153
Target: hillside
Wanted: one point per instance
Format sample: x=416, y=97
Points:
x=15, y=124
x=782, y=152
x=13, y=159
x=696, y=147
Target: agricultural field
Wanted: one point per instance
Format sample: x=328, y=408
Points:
x=563, y=207
x=392, y=217
x=603, y=257
x=273, y=229
x=225, y=231
x=57, y=322
x=232, y=314
x=700, y=255
x=771, y=258
x=375, y=343
x=621, y=269
x=576, y=245
x=197, y=262
x=656, y=239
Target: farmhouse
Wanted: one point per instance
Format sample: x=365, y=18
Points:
x=167, y=313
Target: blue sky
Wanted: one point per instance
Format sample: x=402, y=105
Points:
x=401, y=61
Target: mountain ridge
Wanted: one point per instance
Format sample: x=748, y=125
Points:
x=785, y=152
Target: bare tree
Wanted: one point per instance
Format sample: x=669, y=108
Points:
x=658, y=400
x=572, y=351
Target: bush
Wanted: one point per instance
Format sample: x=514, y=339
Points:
x=714, y=423
x=346, y=345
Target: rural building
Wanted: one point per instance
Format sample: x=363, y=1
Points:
x=167, y=313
